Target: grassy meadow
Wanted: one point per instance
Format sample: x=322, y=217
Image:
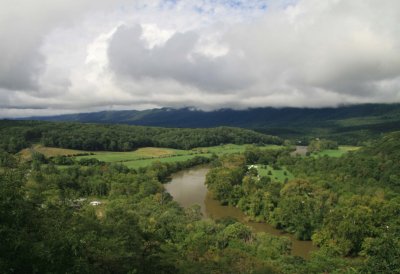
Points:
x=335, y=152
x=139, y=154
x=48, y=152
x=276, y=175
x=146, y=162
x=230, y=148
x=143, y=157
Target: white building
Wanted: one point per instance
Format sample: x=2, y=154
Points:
x=95, y=203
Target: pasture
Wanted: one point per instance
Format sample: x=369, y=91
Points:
x=146, y=162
x=48, y=152
x=230, y=148
x=335, y=152
x=276, y=175
x=139, y=154
x=141, y=157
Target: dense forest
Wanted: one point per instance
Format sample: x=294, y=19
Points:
x=48, y=226
x=351, y=124
x=349, y=206
x=16, y=135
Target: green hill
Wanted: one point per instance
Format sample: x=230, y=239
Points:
x=347, y=124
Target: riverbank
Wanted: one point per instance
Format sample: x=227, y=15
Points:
x=188, y=188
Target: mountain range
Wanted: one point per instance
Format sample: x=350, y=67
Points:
x=351, y=123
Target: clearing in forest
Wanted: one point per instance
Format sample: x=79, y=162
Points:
x=276, y=175
x=335, y=152
x=48, y=152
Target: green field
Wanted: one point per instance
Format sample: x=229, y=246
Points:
x=145, y=156
x=146, y=162
x=335, y=152
x=48, y=152
x=141, y=157
x=231, y=148
x=139, y=154
x=276, y=175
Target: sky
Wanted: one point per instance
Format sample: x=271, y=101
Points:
x=68, y=56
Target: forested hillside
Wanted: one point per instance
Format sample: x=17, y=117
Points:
x=16, y=135
x=346, y=124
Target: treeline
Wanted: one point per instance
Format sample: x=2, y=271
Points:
x=317, y=145
x=297, y=206
x=348, y=206
x=374, y=166
x=16, y=135
x=365, y=218
x=351, y=125
x=48, y=226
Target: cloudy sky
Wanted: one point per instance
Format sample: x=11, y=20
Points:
x=77, y=56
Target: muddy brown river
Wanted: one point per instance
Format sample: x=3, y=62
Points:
x=188, y=188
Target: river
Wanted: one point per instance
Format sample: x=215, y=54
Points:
x=188, y=188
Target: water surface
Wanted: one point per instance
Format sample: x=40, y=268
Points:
x=188, y=188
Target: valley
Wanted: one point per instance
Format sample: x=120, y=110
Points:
x=129, y=193
x=200, y=137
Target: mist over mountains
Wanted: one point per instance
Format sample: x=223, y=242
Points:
x=354, y=120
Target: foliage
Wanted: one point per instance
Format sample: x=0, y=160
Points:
x=347, y=205
x=350, y=124
x=7, y=159
x=317, y=145
x=48, y=226
x=17, y=135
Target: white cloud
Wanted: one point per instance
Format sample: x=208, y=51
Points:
x=63, y=56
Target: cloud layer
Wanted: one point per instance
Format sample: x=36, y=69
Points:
x=62, y=57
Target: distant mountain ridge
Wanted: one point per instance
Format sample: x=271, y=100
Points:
x=345, y=120
x=183, y=117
